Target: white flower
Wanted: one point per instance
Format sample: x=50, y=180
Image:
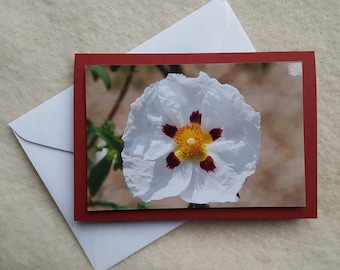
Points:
x=191, y=137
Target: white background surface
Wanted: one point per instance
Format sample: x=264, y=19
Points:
x=38, y=41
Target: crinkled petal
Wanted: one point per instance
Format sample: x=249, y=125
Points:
x=180, y=96
x=220, y=186
x=151, y=180
x=137, y=173
x=234, y=162
x=225, y=108
x=157, y=149
x=176, y=181
x=237, y=155
x=143, y=134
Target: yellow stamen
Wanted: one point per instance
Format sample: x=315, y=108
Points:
x=191, y=142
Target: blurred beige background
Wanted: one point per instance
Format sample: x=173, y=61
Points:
x=38, y=41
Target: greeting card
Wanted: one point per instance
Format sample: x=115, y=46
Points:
x=195, y=136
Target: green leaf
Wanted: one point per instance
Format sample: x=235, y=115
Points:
x=103, y=203
x=113, y=142
x=110, y=204
x=117, y=161
x=90, y=135
x=122, y=207
x=101, y=73
x=144, y=205
x=98, y=174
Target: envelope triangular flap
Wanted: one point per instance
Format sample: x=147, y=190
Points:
x=234, y=36
x=49, y=124
x=213, y=21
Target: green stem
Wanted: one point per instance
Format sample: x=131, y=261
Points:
x=122, y=93
x=197, y=205
x=103, y=203
x=163, y=70
x=172, y=69
x=117, y=104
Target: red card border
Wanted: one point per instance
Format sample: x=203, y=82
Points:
x=310, y=137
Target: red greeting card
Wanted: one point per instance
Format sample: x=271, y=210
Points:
x=195, y=136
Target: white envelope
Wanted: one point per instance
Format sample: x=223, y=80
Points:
x=46, y=135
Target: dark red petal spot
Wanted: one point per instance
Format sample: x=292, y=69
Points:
x=172, y=161
x=208, y=164
x=196, y=117
x=215, y=133
x=169, y=130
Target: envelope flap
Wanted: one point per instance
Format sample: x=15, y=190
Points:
x=213, y=21
x=56, y=130
x=235, y=38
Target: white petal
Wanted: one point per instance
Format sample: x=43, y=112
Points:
x=158, y=148
x=225, y=108
x=151, y=180
x=143, y=134
x=136, y=172
x=221, y=186
x=169, y=183
x=180, y=96
x=237, y=155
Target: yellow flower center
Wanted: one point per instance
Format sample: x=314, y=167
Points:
x=191, y=142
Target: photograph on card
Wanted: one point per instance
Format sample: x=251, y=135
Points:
x=199, y=135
